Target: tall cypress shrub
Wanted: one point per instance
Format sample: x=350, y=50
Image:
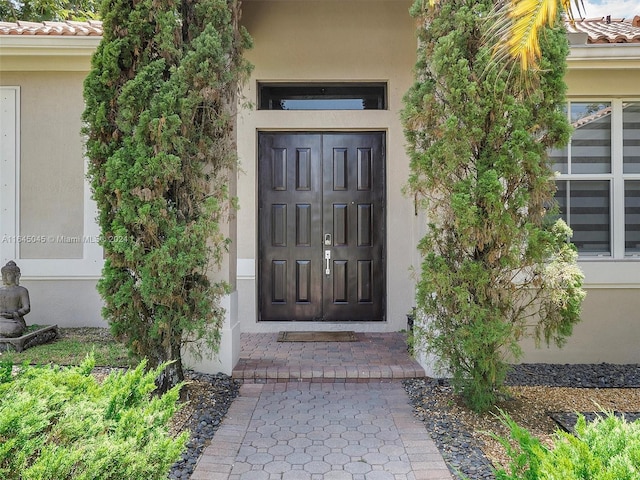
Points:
x=495, y=267
x=159, y=122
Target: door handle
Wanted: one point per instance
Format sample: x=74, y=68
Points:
x=327, y=257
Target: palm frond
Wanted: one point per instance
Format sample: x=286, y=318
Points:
x=516, y=26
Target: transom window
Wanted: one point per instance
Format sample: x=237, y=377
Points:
x=322, y=96
x=599, y=177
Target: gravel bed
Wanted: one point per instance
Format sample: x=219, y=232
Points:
x=458, y=446
x=209, y=398
x=602, y=375
x=568, y=420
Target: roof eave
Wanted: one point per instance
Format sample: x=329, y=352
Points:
x=47, y=52
x=37, y=44
x=604, y=56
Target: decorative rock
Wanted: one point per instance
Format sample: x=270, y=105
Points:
x=567, y=420
x=206, y=420
x=463, y=456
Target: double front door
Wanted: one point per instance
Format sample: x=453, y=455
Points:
x=321, y=226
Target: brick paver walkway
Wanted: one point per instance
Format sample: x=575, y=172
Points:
x=321, y=431
x=322, y=411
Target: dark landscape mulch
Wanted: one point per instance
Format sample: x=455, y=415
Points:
x=567, y=420
x=208, y=398
x=463, y=448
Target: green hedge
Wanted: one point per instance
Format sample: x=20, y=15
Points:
x=605, y=449
x=60, y=423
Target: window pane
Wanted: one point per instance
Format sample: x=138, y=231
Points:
x=591, y=139
x=562, y=199
x=632, y=217
x=558, y=158
x=631, y=137
x=585, y=206
x=326, y=96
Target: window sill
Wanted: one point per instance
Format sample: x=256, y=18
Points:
x=605, y=272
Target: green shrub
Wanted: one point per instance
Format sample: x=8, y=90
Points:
x=159, y=124
x=495, y=267
x=60, y=423
x=606, y=449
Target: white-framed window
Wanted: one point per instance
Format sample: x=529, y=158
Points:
x=598, y=177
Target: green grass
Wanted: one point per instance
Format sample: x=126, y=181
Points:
x=72, y=347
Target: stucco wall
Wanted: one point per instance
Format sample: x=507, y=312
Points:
x=51, y=163
x=51, y=202
x=329, y=41
x=608, y=332
x=588, y=82
x=66, y=302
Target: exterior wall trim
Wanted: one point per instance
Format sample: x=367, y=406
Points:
x=89, y=267
x=20, y=53
x=606, y=56
x=9, y=170
x=39, y=44
x=621, y=273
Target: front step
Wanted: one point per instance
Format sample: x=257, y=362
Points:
x=336, y=374
x=374, y=357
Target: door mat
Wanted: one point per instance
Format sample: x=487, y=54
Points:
x=317, y=337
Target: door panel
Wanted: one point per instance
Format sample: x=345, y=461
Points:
x=321, y=195
x=289, y=183
x=353, y=206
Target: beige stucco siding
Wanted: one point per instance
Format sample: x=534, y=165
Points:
x=590, y=82
x=608, y=332
x=330, y=41
x=53, y=203
x=66, y=302
x=51, y=169
x=315, y=40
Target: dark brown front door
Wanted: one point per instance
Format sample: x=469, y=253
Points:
x=321, y=226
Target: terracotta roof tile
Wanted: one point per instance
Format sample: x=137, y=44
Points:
x=67, y=28
x=599, y=30
x=607, y=29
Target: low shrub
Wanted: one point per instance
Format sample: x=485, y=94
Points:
x=606, y=449
x=60, y=423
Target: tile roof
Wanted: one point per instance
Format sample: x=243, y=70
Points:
x=92, y=28
x=607, y=29
x=599, y=30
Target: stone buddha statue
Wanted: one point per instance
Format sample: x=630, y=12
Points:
x=14, y=302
